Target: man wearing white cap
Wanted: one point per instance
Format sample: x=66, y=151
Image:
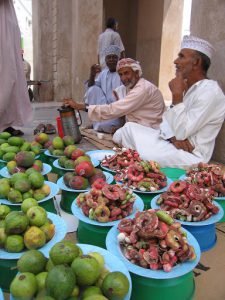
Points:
x=189, y=128
x=140, y=101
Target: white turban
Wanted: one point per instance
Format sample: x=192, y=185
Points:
x=195, y=43
x=112, y=50
x=131, y=63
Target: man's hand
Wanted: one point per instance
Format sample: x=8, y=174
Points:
x=95, y=69
x=182, y=144
x=178, y=86
x=74, y=104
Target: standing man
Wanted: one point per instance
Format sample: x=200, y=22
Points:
x=100, y=90
x=109, y=37
x=189, y=128
x=15, y=107
x=142, y=103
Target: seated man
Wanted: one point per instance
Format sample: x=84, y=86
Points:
x=142, y=102
x=189, y=128
x=100, y=90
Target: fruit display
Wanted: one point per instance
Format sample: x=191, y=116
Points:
x=153, y=240
x=144, y=176
x=109, y=203
x=84, y=176
x=24, y=185
x=11, y=145
x=208, y=176
x=121, y=159
x=71, y=272
x=57, y=146
x=187, y=202
x=72, y=157
x=27, y=229
x=23, y=161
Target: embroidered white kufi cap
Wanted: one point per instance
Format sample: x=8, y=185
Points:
x=195, y=43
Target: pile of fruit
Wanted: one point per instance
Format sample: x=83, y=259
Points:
x=24, y=185
x=22, y=161
x=187, y=202
x=72, y=157
x=68, y=274
x=122, y=159
x=208, y=176
x=85, y=175
x=144, y=176
x=29, y=228
x=153, y=240
x=57, y=146
x=110, y=203
x=11, y=145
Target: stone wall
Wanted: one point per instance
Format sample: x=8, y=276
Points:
x=208, y=22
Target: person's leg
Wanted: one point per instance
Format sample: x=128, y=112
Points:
x=151, y=147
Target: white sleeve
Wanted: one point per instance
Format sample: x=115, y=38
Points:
x=185, y=123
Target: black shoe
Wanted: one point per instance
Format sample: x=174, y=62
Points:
x=13, y=131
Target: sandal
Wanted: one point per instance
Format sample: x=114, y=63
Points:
x=39, y=129
x=14, y=132
x=50, y=129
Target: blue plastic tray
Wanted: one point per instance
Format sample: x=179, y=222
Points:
x=100, y=154
x=1, y=295
x=46, y=169
x=60, y=232
x=77, y=212
x=62, y=186
x=54, y=191
x=213, y=219
x=112, y=263
x=177, y=271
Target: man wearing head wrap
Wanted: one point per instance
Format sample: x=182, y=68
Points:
x=109, y=37
x=191, y=124
x=100, y=90
x=140, y=101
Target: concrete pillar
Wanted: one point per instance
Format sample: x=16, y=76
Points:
x=52, y=27
x=86, y=26
x=208, y=22
x=170, y=45
x=42, y=48
x=149, y=33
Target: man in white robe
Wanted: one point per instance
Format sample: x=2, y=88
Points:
x=142, y=102
x=100, y=90
x=15, y=107
x=190, y=126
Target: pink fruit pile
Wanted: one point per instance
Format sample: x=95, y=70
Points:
x=154, y=241
x=122, y=159
x=209, y=176
x=187, y=202
x=143, y=176
x=110, y=203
